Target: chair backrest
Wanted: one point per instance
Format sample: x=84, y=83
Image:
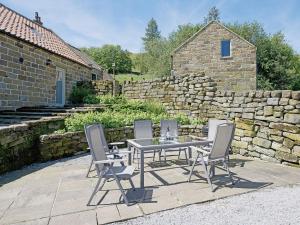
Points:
x=212, y=128
x=105, y=145
x=172, y=125
x=232, y=137
x=222, y=141
x=96, y=141
x=143, y=129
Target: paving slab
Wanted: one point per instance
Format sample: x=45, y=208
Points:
x=58, y=191
x=80, y=218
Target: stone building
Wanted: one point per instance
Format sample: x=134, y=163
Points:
x=37, y=67
x=221, y=54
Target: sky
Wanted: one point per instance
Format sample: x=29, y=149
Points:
x=92, y=23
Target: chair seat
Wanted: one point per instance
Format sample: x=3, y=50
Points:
x=123, y=172
x=173, y=149
x=205, y=158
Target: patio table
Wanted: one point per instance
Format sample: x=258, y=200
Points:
x=148, y=145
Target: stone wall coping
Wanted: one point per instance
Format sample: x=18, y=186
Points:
x=24, y=125
x=72, y=133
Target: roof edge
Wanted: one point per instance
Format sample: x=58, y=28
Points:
x=202, y=29
x=45, y=49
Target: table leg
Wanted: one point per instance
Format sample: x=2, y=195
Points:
x=129, y=154
x=142, y=168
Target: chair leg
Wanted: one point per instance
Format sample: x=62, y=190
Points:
x=95, y=191
x=186, y=156
x=121, y=190
x=165, y=156
x=154, y=155
x=91, y=164
x=133, y=157
x=206, y=173
x=193, y=166
x=131, y=183
x=179, y=153
x=229, y=173
x=159, y=155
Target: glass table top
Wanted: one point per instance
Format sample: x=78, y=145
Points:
x=162, y=141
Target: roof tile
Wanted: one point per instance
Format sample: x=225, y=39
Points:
x=23, y=28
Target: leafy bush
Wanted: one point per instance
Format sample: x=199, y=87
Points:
x=112, y=119
x=104, y=99
x=122, y=112
x=91, y=99
x=79, y=93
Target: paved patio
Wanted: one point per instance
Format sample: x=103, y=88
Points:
x=57, y=192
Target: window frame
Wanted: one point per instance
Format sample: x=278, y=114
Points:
x=96, y=77
x=230, y=49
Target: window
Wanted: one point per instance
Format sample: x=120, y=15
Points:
x=94, y=76
x=225, y=48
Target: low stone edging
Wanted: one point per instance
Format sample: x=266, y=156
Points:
x=18, y=142
x=55, y=146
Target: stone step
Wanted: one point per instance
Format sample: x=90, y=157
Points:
x=20, y=116
x=13, y=121
x=28, y=113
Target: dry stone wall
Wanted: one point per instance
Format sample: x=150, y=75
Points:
x=102, y=87
x=267, y=122
x=18, y=143
x=55, y=146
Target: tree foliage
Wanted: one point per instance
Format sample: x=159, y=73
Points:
x=277, y=63
x=109, y=54
x=213, y=14
x=152, y=34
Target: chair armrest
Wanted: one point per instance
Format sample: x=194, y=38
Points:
x=196, y=137
x=116, y=143
x=125, y=151
x=109, y=161
x=204, y=152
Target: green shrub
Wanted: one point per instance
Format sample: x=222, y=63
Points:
x=122, y=112
x=91, y=99
x=79, y=93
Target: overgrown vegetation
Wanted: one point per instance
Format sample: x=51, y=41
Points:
x=79, y=93
x=122, y=112
x=111, y=57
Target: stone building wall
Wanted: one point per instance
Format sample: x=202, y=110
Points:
x=32, y=82
x=267, y=123
x=202, y=53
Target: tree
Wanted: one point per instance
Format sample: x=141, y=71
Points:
x=277, y=63
x=139, y=62
x=213, y=14
x=152, y=33
x=182, y=33
x=109, y=54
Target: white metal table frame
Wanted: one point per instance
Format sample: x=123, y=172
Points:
x=195, y=141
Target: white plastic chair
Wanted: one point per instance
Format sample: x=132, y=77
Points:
x=105, y=167
x=217, y=154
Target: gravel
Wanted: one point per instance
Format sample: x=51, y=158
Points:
x=274, y=206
